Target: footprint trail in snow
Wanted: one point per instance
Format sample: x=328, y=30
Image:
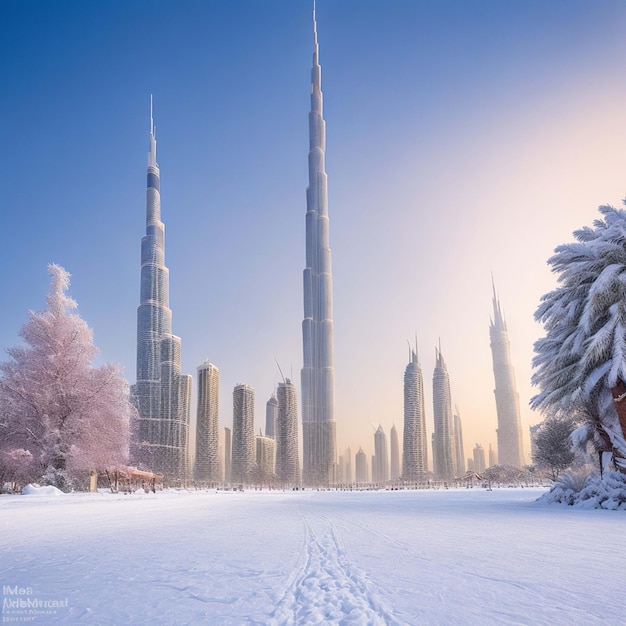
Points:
x=326, y=588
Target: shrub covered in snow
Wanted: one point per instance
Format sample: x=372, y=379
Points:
x=589, y=491
x=36, y=490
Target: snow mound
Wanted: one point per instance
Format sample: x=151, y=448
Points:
x=35, y=490
x=590, y=491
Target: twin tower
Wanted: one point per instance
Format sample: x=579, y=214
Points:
x=162, y=393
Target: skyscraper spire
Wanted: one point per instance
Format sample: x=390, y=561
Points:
x=509, y=431
x=318, y=371
x=498, y=316
x=152, y=162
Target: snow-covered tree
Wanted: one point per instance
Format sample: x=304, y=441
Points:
x=503, y=474
x=580, y=365
x=552, y=449
x=68, y=415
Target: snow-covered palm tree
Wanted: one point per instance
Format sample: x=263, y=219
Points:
x=580, y=365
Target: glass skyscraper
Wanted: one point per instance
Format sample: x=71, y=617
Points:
x=318, y=371
x=161, y=394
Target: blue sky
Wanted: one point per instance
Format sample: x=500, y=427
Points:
x=464, y=138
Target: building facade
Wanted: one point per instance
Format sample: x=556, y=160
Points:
x=243, y=445
x=459, y=452
x=510, y=451
x=360, y=460
x=265, y=459
x=414, y=440
x=380, y=463
x=443, y=436
x=287, y=457
x=347, y=472
x=162, y=394
x=479, y=459
x=227, y=446
x=394, y=472
x=318, y=371
x=271, y=415
x=207, y=464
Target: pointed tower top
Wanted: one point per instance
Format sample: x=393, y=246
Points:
x=440, y=362
x=152, y=152
x=498, y=316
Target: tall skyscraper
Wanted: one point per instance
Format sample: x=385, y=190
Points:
x=459, y=452
x=380, y=465
x=360, y=461
x=510, y=450
x=395, y=453
x=161, y=394
x=415, y=442
x=287, y=457
x=243, y=450
x=443, y=437
x=318, y=371
x=207, y=466
x=271, y=415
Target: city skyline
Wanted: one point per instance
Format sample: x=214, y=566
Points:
x=490, y=138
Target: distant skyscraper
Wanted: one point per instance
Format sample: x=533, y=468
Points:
x=265, y=459
x=493, y=460
x=507, y=399
x=243, y=450
x=415, y=442
x=207, y=428
x=271, y=414
x=479, y=459
x=287, y=458
x=380, y=464
x=161, y=394
x=318, y=371
x=442, y=410
x=341, y=466
x=228, y=446
x=395, y=453
x=347, y=473
x=361, y=466
x=458, y=444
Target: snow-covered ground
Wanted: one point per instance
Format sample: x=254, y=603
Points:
x=387, y=557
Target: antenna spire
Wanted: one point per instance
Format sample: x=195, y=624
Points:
x=152, y=152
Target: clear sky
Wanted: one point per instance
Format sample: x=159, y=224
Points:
x=464, y=138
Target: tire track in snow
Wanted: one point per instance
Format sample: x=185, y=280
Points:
x=327, y=588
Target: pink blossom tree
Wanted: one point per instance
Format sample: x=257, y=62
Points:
x=69, y=415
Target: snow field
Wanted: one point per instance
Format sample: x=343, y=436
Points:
x=388, y=557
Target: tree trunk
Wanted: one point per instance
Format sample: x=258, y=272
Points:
x=619, y=398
